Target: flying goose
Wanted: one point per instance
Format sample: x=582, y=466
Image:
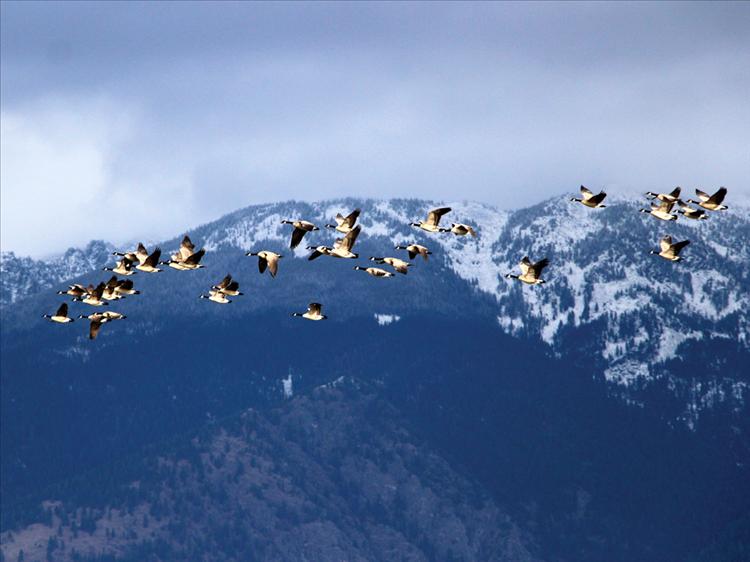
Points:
x=74, y=290
x=99, y=318
x=123, y=267
x=228, y=287
x=344, y=224
x=313, y=312
x=217, y=297
x=375, y=271
x=530, y=272
x=189, y=263
x=462, y=229
x=397, y=264
x=149, y=264
x=670, y=197
x=661, y=211
x=93, y=296
x=687, y=211
x=669, y=250
x=110, y=290
x=61, y=316
x=125, y=287
x=268, y=260
x=318, y=251
x=433, y=220
x=589, y=199
x=342, y=248
x=711, y=202
x=139, y=255
x=414, y=250
x=187, y=249
x=300, y=229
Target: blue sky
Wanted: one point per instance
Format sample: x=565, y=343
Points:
x=127, y=120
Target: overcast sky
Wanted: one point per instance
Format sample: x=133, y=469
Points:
x=126, y=120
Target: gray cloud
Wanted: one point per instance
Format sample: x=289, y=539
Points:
x=196, y=109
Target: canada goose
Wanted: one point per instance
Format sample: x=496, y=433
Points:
x=110, y=290
x=228, y=287
x=313, y=312
x=661, y=211
x=397, y=264
x=217, y=297
x=433, y=220
x=462, y=229
x=344, y=224
x=74, y=290
x=342, y=248
x=97, y=319
x=375, y=271
x=139, y=255
x=94, y=296
x=415, y=249
x=186, y=264
x=318, y=251
x=711, y=202
x=61, y=316
x=300, y=229
x=187, y=248
x=149, y=264
x=123, y=267
x=589, y=199
x=687, y=211
x=530, y=272
x=668, y=250
x=670, y=197
x=268, y=260
x=125, y=287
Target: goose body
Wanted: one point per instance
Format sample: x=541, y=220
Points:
x=375, y=271
x=75, y=290
x=345, y=224
x=300, y=229
x=342, y=248
x=710, y=202
x=399, y=265
x=313, y=312
x=318, y=251
x=61, y=316
x=530, y=272
x=670, y=250
x=688, y=212
x=589, y=199
x=186, y=264
x=462, y=229
x=140, y=254
x=670, y=197
x=217, y=297
x=123, y=267
x=150, y=263
x=94, y=296
x=267, y=260
x=432, y=224
x=662, y=211
x=414, y=250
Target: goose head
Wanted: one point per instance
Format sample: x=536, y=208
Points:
x=511, y=276
x=643, y=211
x=251, y=253
x=415, y=224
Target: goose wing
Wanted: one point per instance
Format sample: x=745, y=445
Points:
x=351, y=218
x=186, y=248
x=98, y=291
x=678, y=246
x=195, y=259
x=702, y=195
x=676, y=192
x=537, y=268
x=233, y=286
x=224, y=282
x=94, y=328
x=141, y=253
x=586, y=192
x=297, y=235
x=262, y=264
x=665, y=243
x=125, y=284
x=314, y=308
x=718, y=197
x=525, y=265
x=63, y=310
x=598, y=198
x=153, y=259
x=433, y=218
x=348, y=241
x=126, y=264
x=111, y=284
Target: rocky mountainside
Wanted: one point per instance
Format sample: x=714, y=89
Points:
x=220, y=495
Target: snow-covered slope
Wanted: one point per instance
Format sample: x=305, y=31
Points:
x=606, y=298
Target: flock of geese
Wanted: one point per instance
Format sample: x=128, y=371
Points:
x=187, y=258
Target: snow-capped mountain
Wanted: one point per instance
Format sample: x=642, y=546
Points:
x=606, y=301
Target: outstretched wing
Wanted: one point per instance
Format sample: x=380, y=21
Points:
x=702, y=195
x=718, y=197
x=99, y=291
x=153, y=259
x=525, y=265
x=352, y=217
x=665, y=243
x=225, y=282
x=262, y=264
x=538, y=267
x=598, y=198
x=433, y=218
x=141, y=253
x=186, y=248
x=676, y=192
x=351, y=238
x=586, y=192
x=63, y=310
x=314, y=308
x=195, y=258
x=678, y=246
x=94, y=328
x=125, y=284
x=297, y=235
